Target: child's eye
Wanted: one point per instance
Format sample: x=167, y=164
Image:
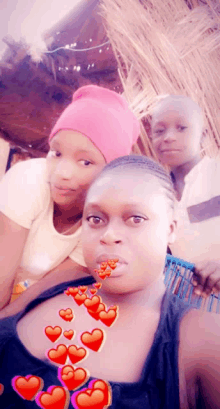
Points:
x=158, y=131
x=94, y=220
x=136, y=220
x=85, y=162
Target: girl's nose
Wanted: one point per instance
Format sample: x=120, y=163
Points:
x=65, y=170
x=111, y=237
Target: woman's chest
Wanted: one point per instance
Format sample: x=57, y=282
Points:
x=115, y=353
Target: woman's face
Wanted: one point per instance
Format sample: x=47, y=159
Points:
x=73, y=162
x=176, y=132
x=127, y=216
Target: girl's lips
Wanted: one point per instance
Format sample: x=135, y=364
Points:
x=63, y=191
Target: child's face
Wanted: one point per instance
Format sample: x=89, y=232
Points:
x=129, y=218
x=176, y=132
x=73, y=162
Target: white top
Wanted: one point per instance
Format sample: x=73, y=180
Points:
x=198, y=214
x=25, y=198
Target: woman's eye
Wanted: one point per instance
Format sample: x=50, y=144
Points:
x=85, y=162
x=136, y=220
x=94, y=220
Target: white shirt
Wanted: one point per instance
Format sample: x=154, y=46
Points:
x=198, y=214
x=25, y=198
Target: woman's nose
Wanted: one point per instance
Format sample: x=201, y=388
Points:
x=111, y=237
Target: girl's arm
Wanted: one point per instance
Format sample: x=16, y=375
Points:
x=66, y=271
x=200, y=352
x=12, y=241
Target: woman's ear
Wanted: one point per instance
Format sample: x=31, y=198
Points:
x=172, y=232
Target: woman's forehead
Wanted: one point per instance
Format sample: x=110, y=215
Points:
x=133, y=185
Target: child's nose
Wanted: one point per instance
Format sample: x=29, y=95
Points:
x=170, y=135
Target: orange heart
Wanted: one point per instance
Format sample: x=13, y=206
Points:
x=113, y=307
x=93, y=291
x=91, y=399
x=76, y=354
x=95, y=315
x=58, y=355
x=108, y=273
x=73, y=290
x=80, y=298
x=73, y=378
x=100, y=384
x=103, y=265
x=92, y=303
x=83, y=288
x=108, y=317
x=56, y=397
x=97, y=285
x=27, y=386
x=68, y=334
x=53, y=333
x=93, y=340
x=66, y=292
x=67, y=314
x=102, y=275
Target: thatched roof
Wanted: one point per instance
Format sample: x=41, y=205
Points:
x=168, y=47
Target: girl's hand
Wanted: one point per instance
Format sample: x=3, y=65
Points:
x=206, y=278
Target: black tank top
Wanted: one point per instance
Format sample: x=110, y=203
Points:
x=157, y=388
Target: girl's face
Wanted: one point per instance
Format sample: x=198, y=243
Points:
x=73, y=162
x=176, y=132
x=129, y=218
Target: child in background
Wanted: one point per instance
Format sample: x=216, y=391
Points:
x=159, y=353
x=42, y=199
x=177, y=135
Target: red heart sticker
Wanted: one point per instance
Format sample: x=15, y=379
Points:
x=108, y=317
x=69, y=334
x=67, y=314
x=73, y=291
x=1, y=389
x=90, y=399
x=92, y=303
x=56, y=397
x=27, y=386
x=58, y=355
x=76, y=354
x=53, y=333
x=97, y=285
x=79, y=299
x=93, y=291
x=95, y=315
x=72, y=378
x=93, y=340
x=83, y=288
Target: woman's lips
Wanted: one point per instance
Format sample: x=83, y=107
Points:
x=63, y=191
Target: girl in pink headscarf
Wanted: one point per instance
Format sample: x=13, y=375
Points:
x=42, y=199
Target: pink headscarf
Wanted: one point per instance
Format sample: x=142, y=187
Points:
x=104, y=117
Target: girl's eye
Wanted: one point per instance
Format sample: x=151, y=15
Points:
x=85, y=162
x=94, y=220
x=136, y=220
x=53, y=154
x=181, y=128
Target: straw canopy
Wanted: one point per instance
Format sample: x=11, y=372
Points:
x=168, y=47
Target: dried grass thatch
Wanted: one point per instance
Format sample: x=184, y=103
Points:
x=165, y=47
